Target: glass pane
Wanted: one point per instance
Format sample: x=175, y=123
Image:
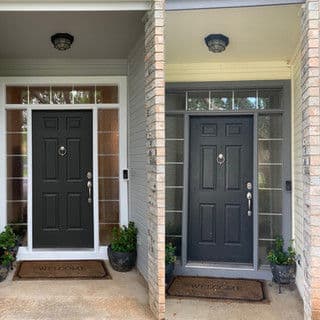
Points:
x=16, y=143
x=107, y=94
x=175, y=101
x=108, y=143
x=270, y=151
x=198, y=100
x=270, y=201
x=270, y=126
x=108, y=120
x=83, y=94
x=39, y=95
x=245, y=99
x=264, y=248
x=21, y=231
x=221, y=100
x=269, y=226
x=108, y=166
x=17, y=212
x=176, y=241
x=109, y=211
x=16, y=120
x=105, y=233
x=270, y=99
x=174, y=199
x=174, y=175
x=17, y=166
x=62, y=95
x=108, y=189
x=173, y=223
x=174, y=126
x=270, y=176
x=17, y=189
x=174, y=150
x=17, y=95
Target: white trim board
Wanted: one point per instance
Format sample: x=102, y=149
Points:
x=28, y=252
x=74, y=5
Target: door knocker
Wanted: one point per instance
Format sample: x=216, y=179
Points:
x=62, y=151
x=220, y=159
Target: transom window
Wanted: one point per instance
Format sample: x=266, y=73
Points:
x=62, y=94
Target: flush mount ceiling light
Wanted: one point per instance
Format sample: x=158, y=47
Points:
x=62, y=41
x=216, y=42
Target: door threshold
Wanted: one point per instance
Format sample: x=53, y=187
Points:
x=25, y=253
x=219, y=265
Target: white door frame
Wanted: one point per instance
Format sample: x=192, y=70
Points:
x=98, y=252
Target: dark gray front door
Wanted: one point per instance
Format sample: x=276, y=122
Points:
x=220, y=228
x=62, y=157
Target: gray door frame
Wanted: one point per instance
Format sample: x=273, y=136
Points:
x=253, y=270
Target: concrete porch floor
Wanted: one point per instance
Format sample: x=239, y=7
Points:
x=125, y=298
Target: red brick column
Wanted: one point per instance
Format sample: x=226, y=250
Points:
x=310, y=82
x=155, y=117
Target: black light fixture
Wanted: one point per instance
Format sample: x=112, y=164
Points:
x=216, y=42
x=62, y=41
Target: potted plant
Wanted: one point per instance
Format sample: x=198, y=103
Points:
x=122, y=250
x=283, y=266
x=170, y=261
x=7, y=251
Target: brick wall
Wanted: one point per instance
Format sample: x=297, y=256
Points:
x=310, y=86
x=155, y=119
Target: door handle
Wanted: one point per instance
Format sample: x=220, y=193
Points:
x=249, y=198
x=89, y=185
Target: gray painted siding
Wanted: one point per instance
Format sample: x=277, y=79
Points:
x=138, y=196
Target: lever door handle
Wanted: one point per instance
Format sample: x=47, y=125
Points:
x=89, y=185
x=249, y=198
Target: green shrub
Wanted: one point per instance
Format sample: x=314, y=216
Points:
x=124, y=239
x=279, y=256
x=7, y=243
x=170, y=253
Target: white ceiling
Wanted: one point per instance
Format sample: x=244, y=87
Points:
x=98, y=35
x=256, y=34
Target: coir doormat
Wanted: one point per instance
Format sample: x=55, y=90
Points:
x=217, y=288
x=66, y=269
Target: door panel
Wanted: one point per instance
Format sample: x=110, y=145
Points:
x=219, y=226
x=62, y=215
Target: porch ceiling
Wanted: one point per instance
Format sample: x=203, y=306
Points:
x=256, y=34
x=98, y=35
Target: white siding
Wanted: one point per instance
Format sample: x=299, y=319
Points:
x=138, y=196
x=297, y=169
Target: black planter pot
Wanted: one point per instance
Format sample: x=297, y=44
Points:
x=283, y=274
x=122, y=261
x=4, y=270
x=169, y=272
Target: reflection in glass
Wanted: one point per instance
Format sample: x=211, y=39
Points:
x=61, y=95
x=174, y=150
x=270, y=226
x=83, y=95
x=16, y=120
x=39, y=95
x=198, y=100
x=270, y=176
x=270, y=151
x=221, y=100
x=174, y=175
x=245, y=99
x=270, y=126
x=174, y=126
x=173, y=223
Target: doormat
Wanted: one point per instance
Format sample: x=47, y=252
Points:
x=65, y=269
x=217, y=288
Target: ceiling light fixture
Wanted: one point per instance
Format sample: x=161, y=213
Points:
x=216, y=42
x=62, y=41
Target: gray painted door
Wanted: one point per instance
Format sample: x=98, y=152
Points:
x=220, y=228
x=62, y=214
